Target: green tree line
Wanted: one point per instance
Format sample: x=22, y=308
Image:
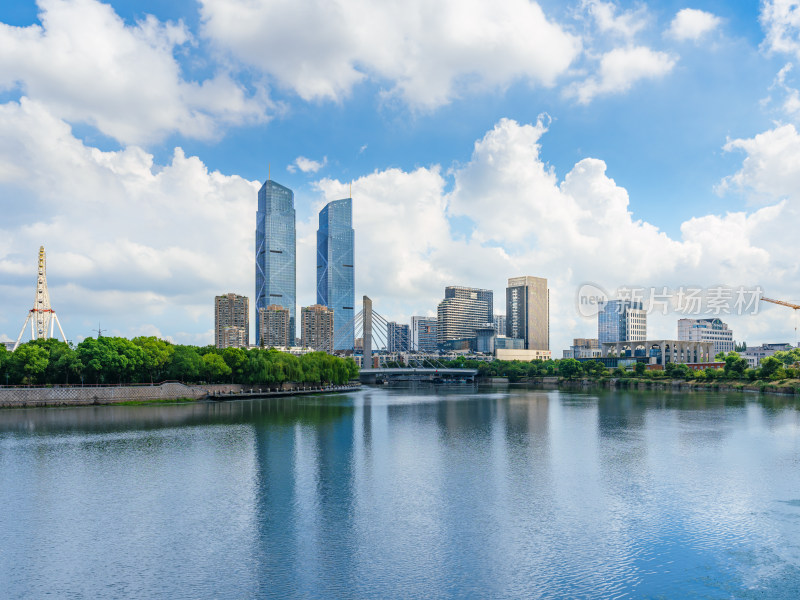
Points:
x=107, y=360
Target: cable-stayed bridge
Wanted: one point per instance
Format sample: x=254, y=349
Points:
x=377, y=333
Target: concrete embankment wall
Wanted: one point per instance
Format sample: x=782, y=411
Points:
x=78, y=396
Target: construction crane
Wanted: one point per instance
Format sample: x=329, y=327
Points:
x=794, y=307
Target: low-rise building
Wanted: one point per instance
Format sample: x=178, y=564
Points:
x=502, y=342
x=661, y=352
x=524, y=355
x=755, y=355
x=583, y=348
x=707, y=330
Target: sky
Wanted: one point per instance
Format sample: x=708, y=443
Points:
x=645, y=146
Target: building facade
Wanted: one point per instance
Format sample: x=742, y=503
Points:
x=461, y=312
x=484, y=339
x=528, y=311
x=707, y=330
x=398, y=337
x=276, y=252
x=423, y=334
x=336, y=269
x=754, y=355
x=316, y=323
x=621, y=321
x=231, y=311
x=274, y=327
x=499, y=322
x=502, y=342
x=583, y=348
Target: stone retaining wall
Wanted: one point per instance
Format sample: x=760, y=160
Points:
x=76, y=396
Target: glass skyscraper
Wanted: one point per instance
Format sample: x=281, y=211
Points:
x=335, y=270
x=276, y=260
x=621, y=321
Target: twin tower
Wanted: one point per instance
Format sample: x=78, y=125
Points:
x=276, y=261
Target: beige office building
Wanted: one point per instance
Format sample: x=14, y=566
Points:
x=231, y=321
x=317, y=327
x=462, y=311
x=528, y=311
x=274, y=322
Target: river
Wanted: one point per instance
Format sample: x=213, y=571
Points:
x=423, y=492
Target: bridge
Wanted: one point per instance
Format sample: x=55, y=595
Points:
x=419, y=367
x=417, y=374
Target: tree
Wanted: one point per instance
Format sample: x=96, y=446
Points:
x=682, y=371
x=735, y=366
x=156, y=354
x=594, y=369
x=214, y=368
x=569, y=368
x=185, y=364
x=771, y=368
x=28, y=363
x=640, y=368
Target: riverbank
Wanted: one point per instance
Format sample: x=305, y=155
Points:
x=784, y=387
x=166, y=392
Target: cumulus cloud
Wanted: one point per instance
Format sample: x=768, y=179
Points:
x=781, y=22
x=306, y=165
x=620, y=69
x=428, y=52
x=144, y=247
x=571, y=231
x=126, y=239
x=611, y=21
x=86, y=65
x=692, y=24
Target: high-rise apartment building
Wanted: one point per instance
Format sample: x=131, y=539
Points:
x=423, y=334
x=276, y=262
x=231, y=321
x=398, y=337
x=316, y=323
x=335, y=269
x=621, y=321
x=461, y=312
x=500, y=324
x=707, y=330
x=528, y=311
x=273, y=322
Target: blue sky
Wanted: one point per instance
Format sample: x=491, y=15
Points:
x=622, y=143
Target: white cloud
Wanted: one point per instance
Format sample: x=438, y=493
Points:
x=781, y=22
x=428, y=52
x=625, y=24
x=692, y=24
x=126, y=239
x=145, y=247
x=620, y=69
x=527, y=222
x=306, y=165
x=86, y=65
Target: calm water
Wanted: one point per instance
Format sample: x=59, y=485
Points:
x=412, y=493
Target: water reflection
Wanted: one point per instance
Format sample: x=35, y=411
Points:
x=419, y=492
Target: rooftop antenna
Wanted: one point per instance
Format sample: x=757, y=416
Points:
x=100, y=331
x=42, y=317
x=351, y=189
x=269, y=171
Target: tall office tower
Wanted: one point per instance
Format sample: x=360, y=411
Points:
x=423, y=334
x=276, y=263
x=528, y=311
x=499, y=323
x=316, y=323
x=398, y=337
x=335, y=270
x=622, y=321
x=274, y=324
x=457, y=291
x=707, y=330
x=461, y=312
x=231, y=312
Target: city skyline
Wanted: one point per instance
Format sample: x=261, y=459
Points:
x=641, y=158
